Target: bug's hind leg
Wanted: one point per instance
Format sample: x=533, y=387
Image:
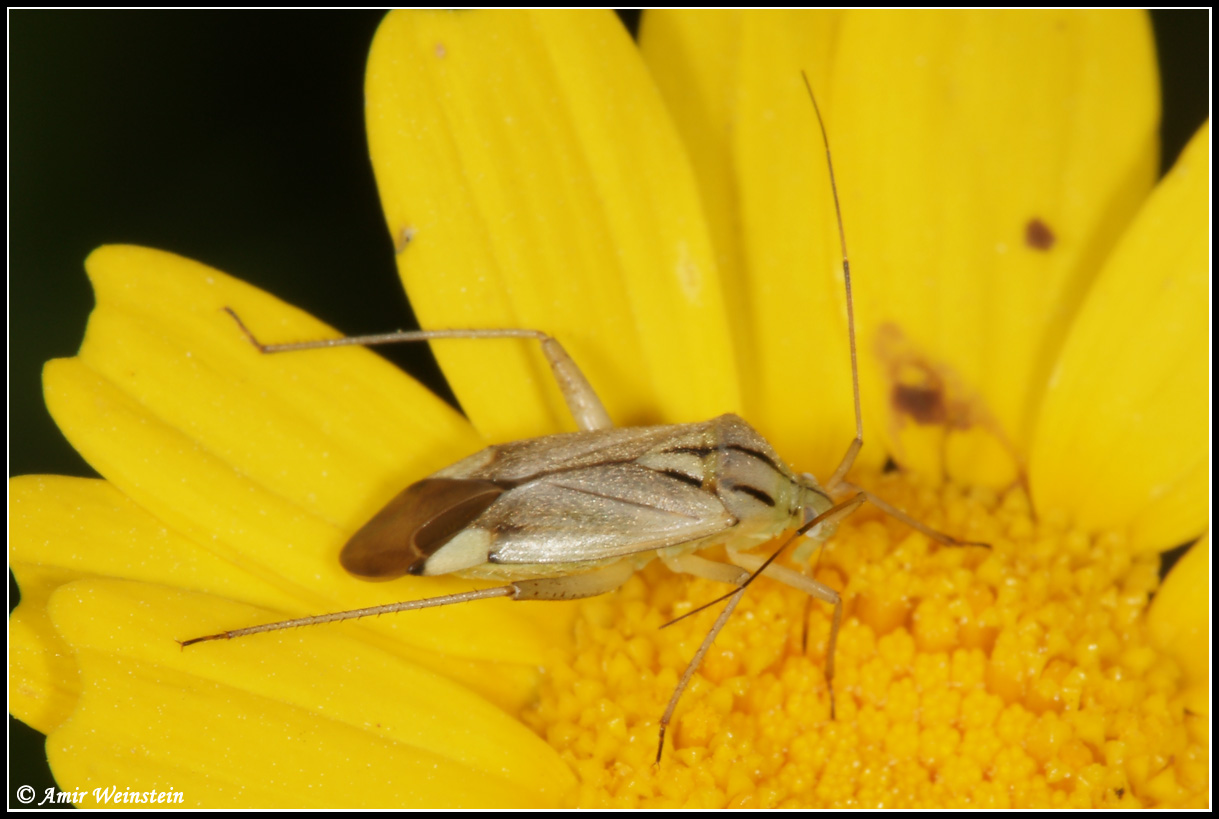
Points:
x=566, y=587
x=586, y=408
x=575, y=586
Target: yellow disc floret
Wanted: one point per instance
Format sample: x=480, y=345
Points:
x=1015, y=676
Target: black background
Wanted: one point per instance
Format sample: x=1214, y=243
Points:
x=237, y=139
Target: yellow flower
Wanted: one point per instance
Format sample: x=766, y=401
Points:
x=539, y=183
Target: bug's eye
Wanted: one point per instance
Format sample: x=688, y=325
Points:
x=415, y=525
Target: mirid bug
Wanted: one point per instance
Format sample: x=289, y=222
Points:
x=573, y=515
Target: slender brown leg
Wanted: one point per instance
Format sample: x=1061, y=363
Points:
x=586, y=408
x=568, y=587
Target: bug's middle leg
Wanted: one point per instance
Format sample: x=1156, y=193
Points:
x=815, y=589
x=739, y=575
x=706, y=569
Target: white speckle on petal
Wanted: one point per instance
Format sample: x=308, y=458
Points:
x=688, y=274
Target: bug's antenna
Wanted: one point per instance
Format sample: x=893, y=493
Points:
x=849, y=458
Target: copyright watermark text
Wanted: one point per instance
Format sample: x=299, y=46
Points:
x=112, y=795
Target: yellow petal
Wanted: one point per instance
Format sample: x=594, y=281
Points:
x=987, y=163
x=531, y=165
x=955, y=331
x=160, y=337
x=751, y=128
x=299, y=449
x=1123, y=432
x=1180, y=613
x=238, y=471
x=63, y=529
x=269, y=463
x=329, y=723
x=693, y=57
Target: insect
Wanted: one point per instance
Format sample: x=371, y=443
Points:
x=574, y=515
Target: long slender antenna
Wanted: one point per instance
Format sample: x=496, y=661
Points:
x=848, y=459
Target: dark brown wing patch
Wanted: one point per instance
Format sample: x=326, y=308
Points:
x=414, y=525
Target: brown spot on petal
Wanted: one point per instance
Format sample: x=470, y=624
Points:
x=930, y=393
x=919, y=390
x=441, y=51
x=1037, y=235
x=923, y=404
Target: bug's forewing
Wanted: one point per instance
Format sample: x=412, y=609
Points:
x=414, y=525
x=584, y=497
x=520, y=461
x=597, y=514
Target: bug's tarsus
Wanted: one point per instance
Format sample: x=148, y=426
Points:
x=224, y=635
x=258, y=345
